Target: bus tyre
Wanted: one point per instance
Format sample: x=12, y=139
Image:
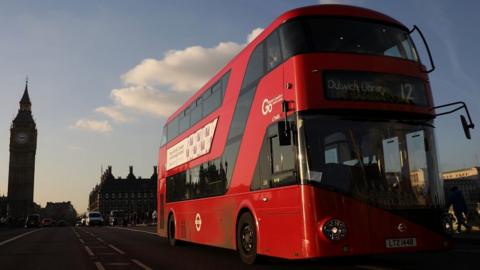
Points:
x=171, y=231
x=247, y=238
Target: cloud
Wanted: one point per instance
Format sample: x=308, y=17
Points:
x=75, y=148
x=158, y=86
x=146, y=99
x=92, y=125
x=115, y=113
x=255, y=32
x=182, y=70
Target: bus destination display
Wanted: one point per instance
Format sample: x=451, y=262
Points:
x=374, y=87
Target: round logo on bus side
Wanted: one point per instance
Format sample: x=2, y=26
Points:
x=267, y=107
x=198, y=222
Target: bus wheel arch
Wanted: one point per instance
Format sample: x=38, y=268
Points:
x=246, y=236
x=171, y=229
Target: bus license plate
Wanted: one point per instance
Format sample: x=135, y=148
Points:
x=401, y=242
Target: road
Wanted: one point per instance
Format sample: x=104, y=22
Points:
x=139, y=248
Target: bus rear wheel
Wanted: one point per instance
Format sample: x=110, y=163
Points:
x=247, y=238
x=171, y=231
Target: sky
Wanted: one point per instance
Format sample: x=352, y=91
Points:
x=104, y=75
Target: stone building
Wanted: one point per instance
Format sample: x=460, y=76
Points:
x=136, y=196
x=468, y=181
x=60, y=211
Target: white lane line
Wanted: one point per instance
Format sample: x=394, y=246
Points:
x=99, y=266
x=117, y=249
x=133, y=230
x=18, y=237
x=100, y=239
x=139, y=263
x=81, y=241
x=89, y=251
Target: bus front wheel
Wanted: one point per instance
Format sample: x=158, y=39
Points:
x=247, y=238
x=171, y=231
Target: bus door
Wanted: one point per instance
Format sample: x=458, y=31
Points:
x=277, y=203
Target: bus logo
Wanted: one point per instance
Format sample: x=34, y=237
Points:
x=198, y=222
x=402, y=227
x=267, y=104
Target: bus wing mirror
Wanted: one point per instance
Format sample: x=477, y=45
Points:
x=466, y=127
x=284, y=133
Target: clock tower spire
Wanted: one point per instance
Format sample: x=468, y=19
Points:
x=23, y=146
x=25, y=103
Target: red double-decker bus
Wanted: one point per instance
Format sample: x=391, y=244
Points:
x=315, y=140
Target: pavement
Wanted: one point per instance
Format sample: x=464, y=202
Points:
x=472, y=237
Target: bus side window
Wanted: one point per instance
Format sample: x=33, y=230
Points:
x=196, y=113
x=163, y=140
x=184, y=121
x=274, y=52
x=172, y=130
x=275, y=164
x=255, y=67
x=283, y=163
x=263, y=170
x=212, y=99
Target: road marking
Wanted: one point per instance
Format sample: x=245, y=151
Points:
x=81, y=241
x=137, y=262
x=118, y=264
x=76, y=233
x=100, y=239
x=17, y=237
x=133, y=230
x=99, y=266
x=89, y=251
x=117, y=249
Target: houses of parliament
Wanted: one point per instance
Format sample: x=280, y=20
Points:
x=23, y=144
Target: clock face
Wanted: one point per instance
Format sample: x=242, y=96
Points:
x=21, y=137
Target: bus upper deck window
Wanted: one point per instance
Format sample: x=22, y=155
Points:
x=274, y=53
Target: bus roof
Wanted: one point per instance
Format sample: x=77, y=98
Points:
x=322, y=10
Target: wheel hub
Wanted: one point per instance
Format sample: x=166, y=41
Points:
x=247, y=238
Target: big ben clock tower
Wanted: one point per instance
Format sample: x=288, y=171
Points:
x=23, y=145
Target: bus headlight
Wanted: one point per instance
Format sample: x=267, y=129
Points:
x=334, y=229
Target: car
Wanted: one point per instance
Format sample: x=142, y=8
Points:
x=94, y=218
x=3, y=221
x=47, y=222
x=117, y=217
x=33, y=221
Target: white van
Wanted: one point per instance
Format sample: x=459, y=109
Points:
x=94, y=218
